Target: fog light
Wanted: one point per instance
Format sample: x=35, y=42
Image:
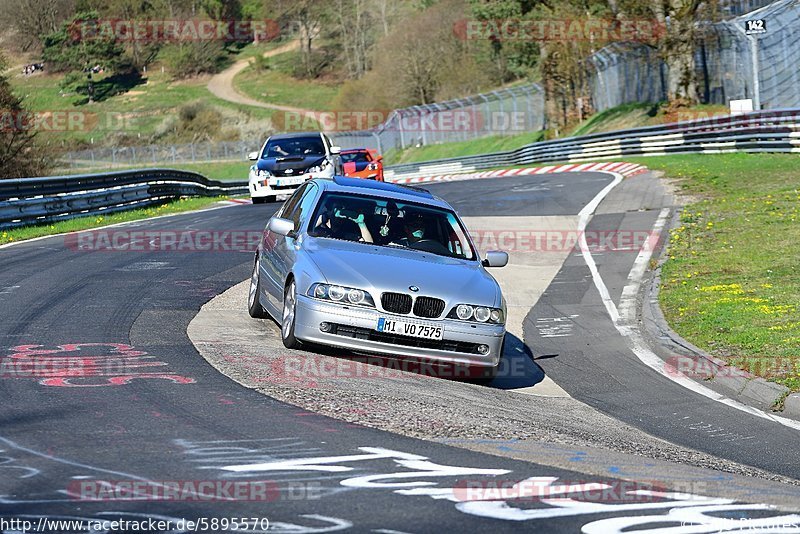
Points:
x=326, y=327
x=483, y=349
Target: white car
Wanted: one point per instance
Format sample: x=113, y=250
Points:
x=288, y=160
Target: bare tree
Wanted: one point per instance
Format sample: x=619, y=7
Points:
x=33, y=19
x=307, y=18
x=355, y=30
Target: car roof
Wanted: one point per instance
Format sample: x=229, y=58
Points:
x=294, y=135
x=403, y=193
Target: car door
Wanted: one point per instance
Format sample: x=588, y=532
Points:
x=289, y=247
x=272, y=254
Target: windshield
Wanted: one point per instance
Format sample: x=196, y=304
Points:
x=356, y=157
x=388, y=223
x=297, y=146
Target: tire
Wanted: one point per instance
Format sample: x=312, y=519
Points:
x=258, y=200
x=254, y=307
x=269, y=199
x=288, y=317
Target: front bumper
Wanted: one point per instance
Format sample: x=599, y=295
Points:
x=355, y=330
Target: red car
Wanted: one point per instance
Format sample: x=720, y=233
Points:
x=363, y=163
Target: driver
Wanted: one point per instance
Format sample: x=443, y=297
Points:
x=338, y=222
x=413, y=229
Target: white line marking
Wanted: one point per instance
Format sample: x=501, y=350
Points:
x=630, y=330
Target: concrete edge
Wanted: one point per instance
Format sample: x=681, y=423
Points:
x=726, y=379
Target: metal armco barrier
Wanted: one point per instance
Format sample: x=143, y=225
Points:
x=766, y=131
x=28, y=201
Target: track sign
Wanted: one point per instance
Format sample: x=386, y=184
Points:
x=755, y=26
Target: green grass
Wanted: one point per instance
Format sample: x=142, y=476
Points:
x=636, y=115
x=276, y=85
x=226, y=171
x=138, y=112
x=461, y=148
x=97, y=220
x=731, y=283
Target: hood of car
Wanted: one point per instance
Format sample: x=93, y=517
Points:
x=379, y=269
x=289, y=162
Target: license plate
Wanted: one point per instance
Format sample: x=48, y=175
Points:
x=405, y=328
x=279, y=182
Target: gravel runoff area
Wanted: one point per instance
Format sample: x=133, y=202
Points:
x=330, y=383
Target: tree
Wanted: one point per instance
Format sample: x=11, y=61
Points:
x=307, y=18
x=682, y=21
x=355, y=29
x=82, y=43
x=33, y=19
x=20, y=156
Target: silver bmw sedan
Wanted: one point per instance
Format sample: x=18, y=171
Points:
x=379, y=268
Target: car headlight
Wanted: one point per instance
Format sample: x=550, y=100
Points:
x=479, y=314
x=372, y=167
x=345, y=295
x=318, y=168
x=262, y=173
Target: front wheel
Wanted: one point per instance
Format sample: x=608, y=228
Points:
x=289, y=316
x=254, y=306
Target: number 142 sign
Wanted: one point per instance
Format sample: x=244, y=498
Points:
x=756, y=26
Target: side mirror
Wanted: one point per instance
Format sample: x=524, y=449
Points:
x=349, y=168
x=496, y=258
x=253, y=156
x=336, y=150
x=284, y=227
x=379, y=158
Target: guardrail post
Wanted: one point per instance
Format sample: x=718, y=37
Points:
x=378, y=139
x=402, y=137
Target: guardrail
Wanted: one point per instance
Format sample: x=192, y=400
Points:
x=28, y=201
x=765, y=131
x=37, y=200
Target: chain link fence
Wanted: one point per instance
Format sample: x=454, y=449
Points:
x=508, y=111
x=160, y=154
x=728, y=58
x=623, y=73
x=626, y=72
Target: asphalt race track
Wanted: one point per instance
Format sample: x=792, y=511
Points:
x=101, y=384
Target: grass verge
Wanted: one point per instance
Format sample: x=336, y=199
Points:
x=225, y=171
x=731, y=283
x=97, y=220
x=461, y=148
x=276, y=85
